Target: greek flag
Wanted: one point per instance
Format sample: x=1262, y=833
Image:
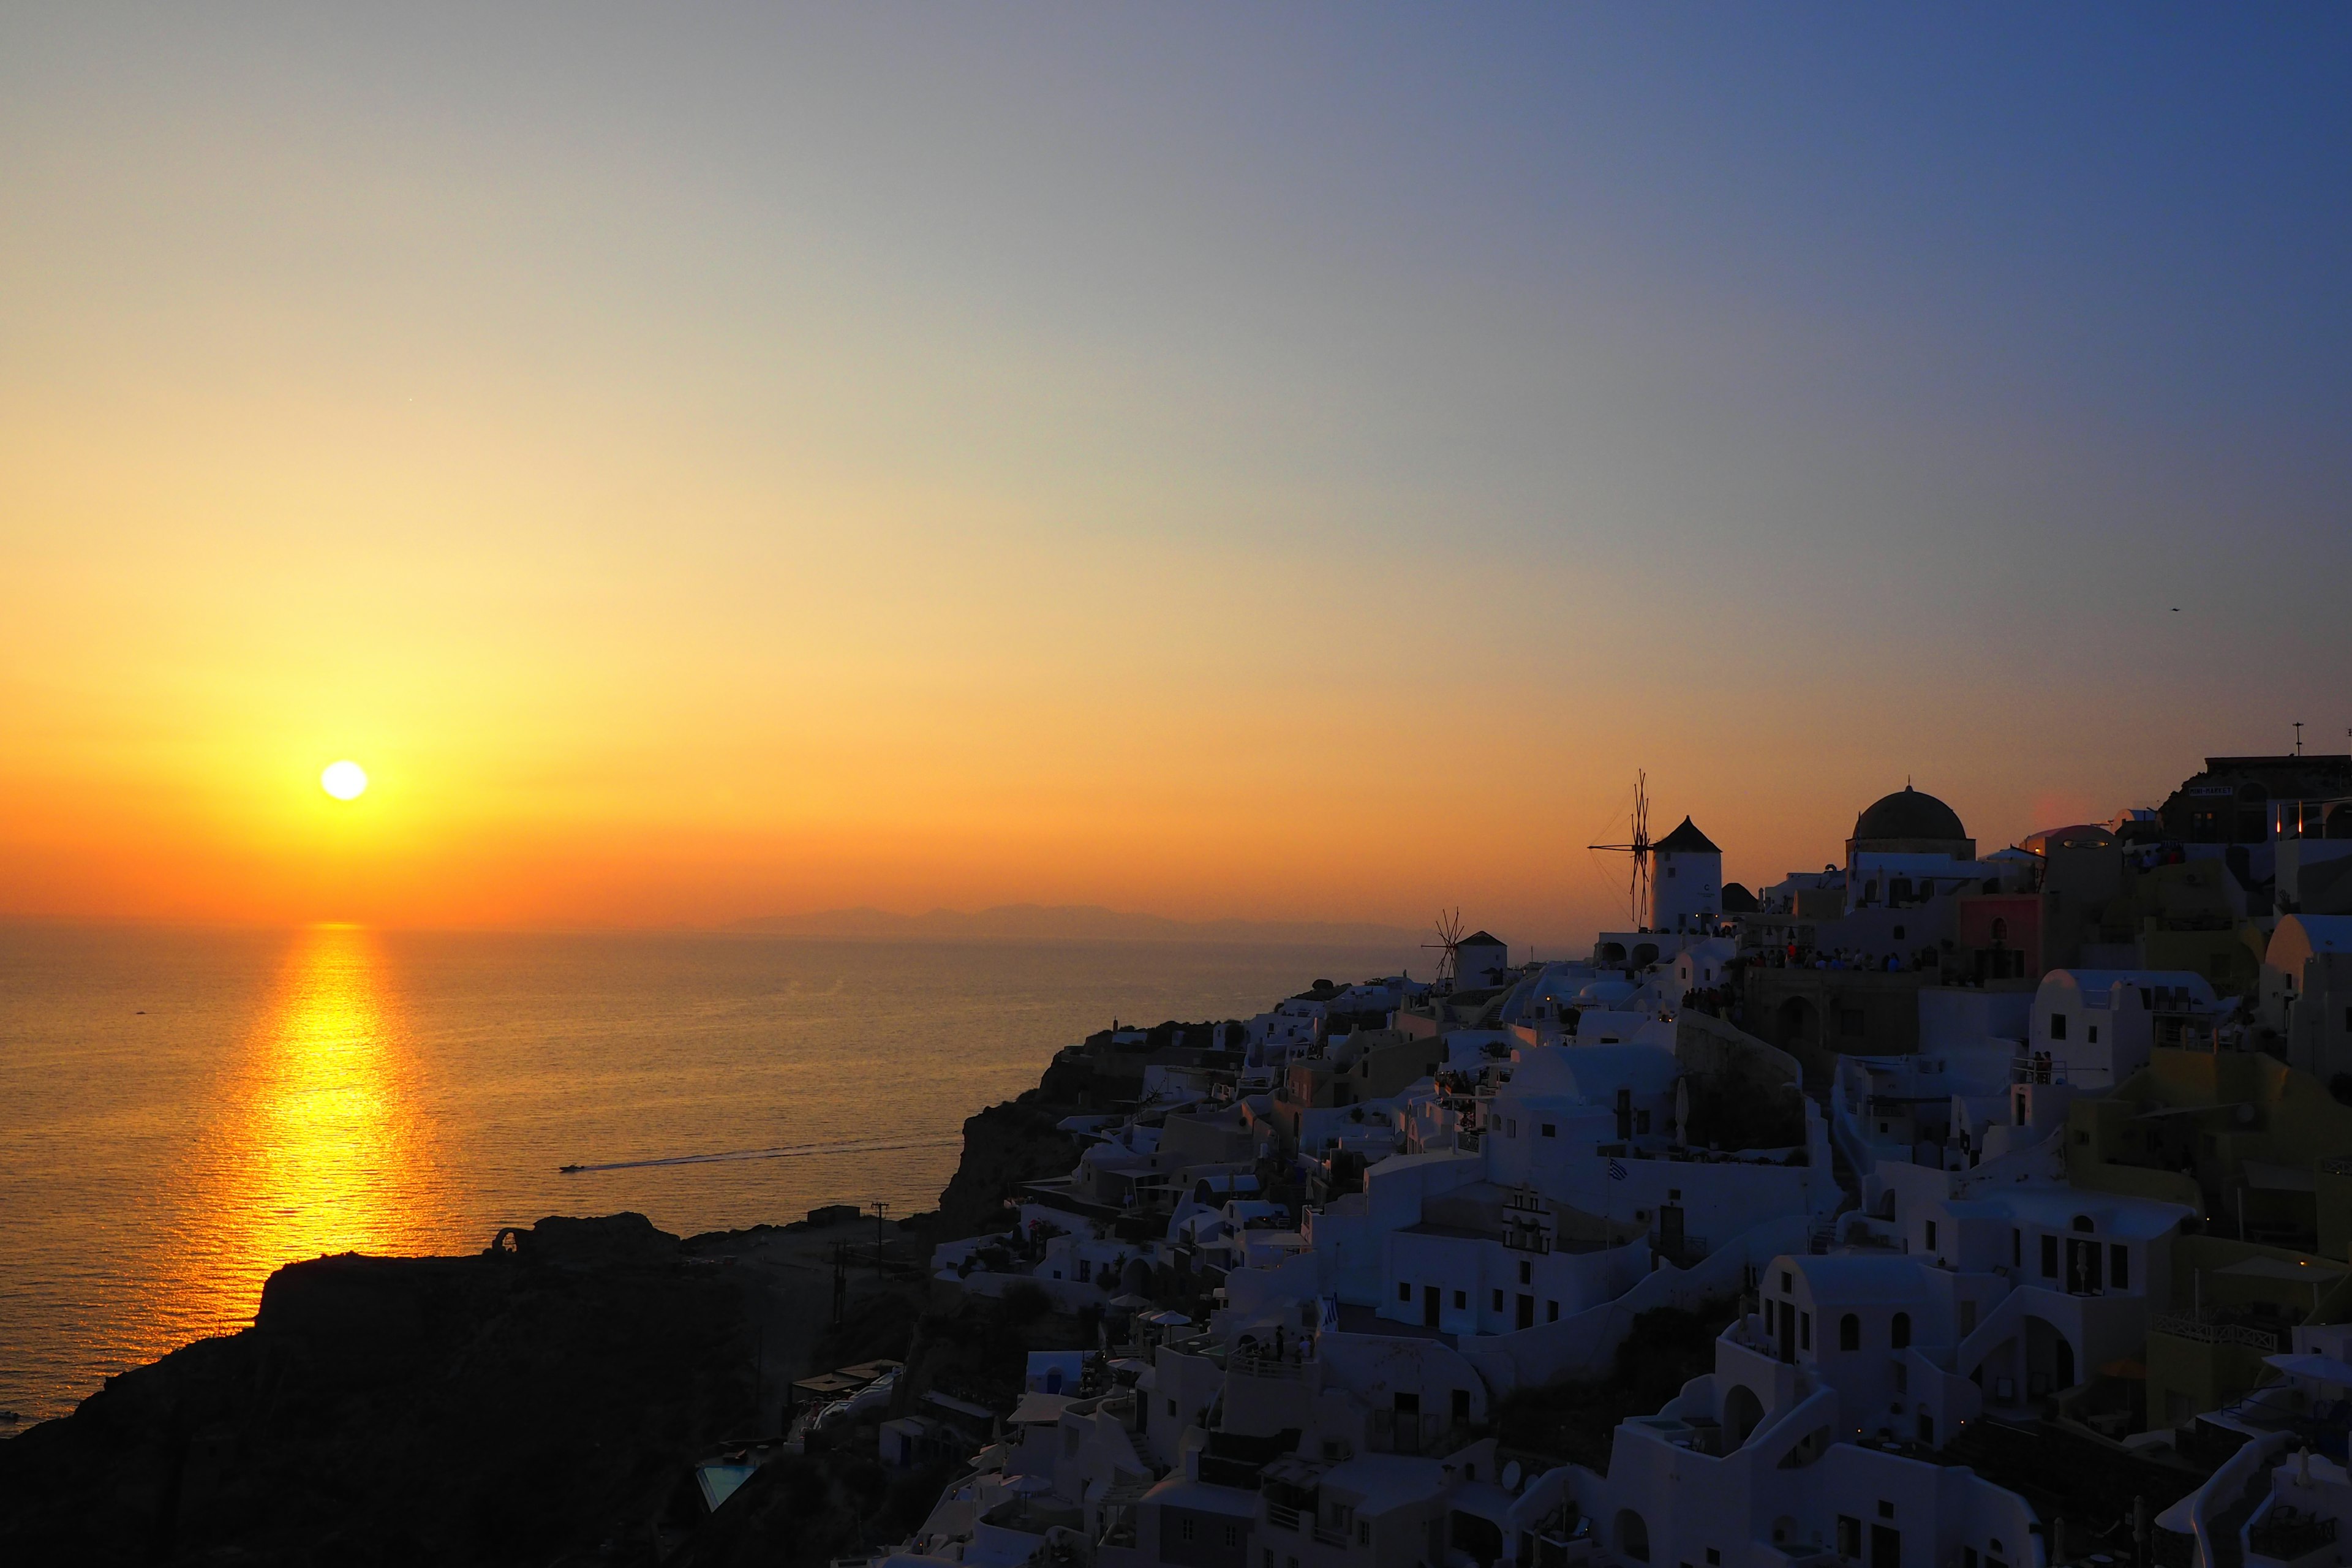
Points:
x=1616, y=1172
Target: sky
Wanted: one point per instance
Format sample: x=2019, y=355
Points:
x=1287, y=462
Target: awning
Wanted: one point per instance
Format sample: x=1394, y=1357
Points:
x=2279, y=1268
x=2262, y=1176
x=2318, y=1368
x=1037, y=1408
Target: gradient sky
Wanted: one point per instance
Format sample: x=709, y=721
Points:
x=1274, y=461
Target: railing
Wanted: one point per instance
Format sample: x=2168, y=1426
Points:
x=1427, y=1433
x=1688, y=1250
x=2286, y=1533
x=2188, y=1032
x=1524, y=1238
x=2207, y=1334
x=1330, y=1535
x=1270, y=1368
x=1281, y=1518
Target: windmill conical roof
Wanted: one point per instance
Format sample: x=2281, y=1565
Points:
x=1687, y=840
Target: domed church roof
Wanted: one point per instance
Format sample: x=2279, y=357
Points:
x=1907, y=813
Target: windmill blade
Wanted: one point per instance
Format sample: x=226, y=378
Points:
x=1637, y=848
x=1448, y=945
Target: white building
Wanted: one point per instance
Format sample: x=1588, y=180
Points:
x=1480, y=960
x=2093, y=1028
x=1687, y=887
x=1760, y=1461
x=2306, y=992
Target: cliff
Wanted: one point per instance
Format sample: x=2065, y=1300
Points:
x=533, y=1404
x=1009, y=1143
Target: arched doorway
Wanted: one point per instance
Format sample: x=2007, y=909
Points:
x=1633, y=1535
x=1796, y=1021
x=2048, y=1358
x=1742, y=1410
x=1480, y=1537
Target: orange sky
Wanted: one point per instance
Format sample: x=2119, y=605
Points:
x=1076, y=486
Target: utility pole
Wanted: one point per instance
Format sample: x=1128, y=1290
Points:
x=840, y=1282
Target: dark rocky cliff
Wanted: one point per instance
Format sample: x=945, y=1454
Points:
x=530, y=1405
x=1009, y=1143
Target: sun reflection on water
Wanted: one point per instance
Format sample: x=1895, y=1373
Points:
x=323, y=1149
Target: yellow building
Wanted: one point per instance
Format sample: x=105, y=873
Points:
x=2263, y=1153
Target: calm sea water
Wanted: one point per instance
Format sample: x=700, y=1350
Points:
x=182, y=1112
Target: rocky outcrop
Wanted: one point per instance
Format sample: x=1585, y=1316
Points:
x=536, y=1402
x=1009, y=1143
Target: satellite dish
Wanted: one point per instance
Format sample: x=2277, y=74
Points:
x=1511, y=1477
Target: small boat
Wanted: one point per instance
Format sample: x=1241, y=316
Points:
x=568, y=1170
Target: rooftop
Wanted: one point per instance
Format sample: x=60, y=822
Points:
x=1686, y=840
x=1908, y=813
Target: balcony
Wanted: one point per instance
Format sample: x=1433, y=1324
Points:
x=1281, y=1518
x=2210, y=1331
x=1274, y=1369
x=2286, y=1533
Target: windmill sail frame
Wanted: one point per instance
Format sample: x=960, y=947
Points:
x=1638, y=886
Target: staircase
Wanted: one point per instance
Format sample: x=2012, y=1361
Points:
x=2223, y=1537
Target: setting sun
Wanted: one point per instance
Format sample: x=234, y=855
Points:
x=344, y=780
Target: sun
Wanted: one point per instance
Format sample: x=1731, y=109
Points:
x=344, y=780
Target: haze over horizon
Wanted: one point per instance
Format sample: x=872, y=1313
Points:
x=1288, y=464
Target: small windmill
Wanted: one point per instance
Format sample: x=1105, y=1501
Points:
x=1637, y=888
x=1448, y=947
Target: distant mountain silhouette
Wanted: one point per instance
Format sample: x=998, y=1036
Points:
x=1071, y=923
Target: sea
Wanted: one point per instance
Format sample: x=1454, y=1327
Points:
x=182, y=1112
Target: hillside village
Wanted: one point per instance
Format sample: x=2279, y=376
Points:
x=2002, y=1202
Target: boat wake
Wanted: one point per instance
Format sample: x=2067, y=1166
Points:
x=783, y=1151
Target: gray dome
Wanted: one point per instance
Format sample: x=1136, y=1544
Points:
x=1907, y=813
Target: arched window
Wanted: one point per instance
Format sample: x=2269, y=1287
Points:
x=2000, y=932
x=1902, y=1331
x=1848, y=1332
x=2082, y=1222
